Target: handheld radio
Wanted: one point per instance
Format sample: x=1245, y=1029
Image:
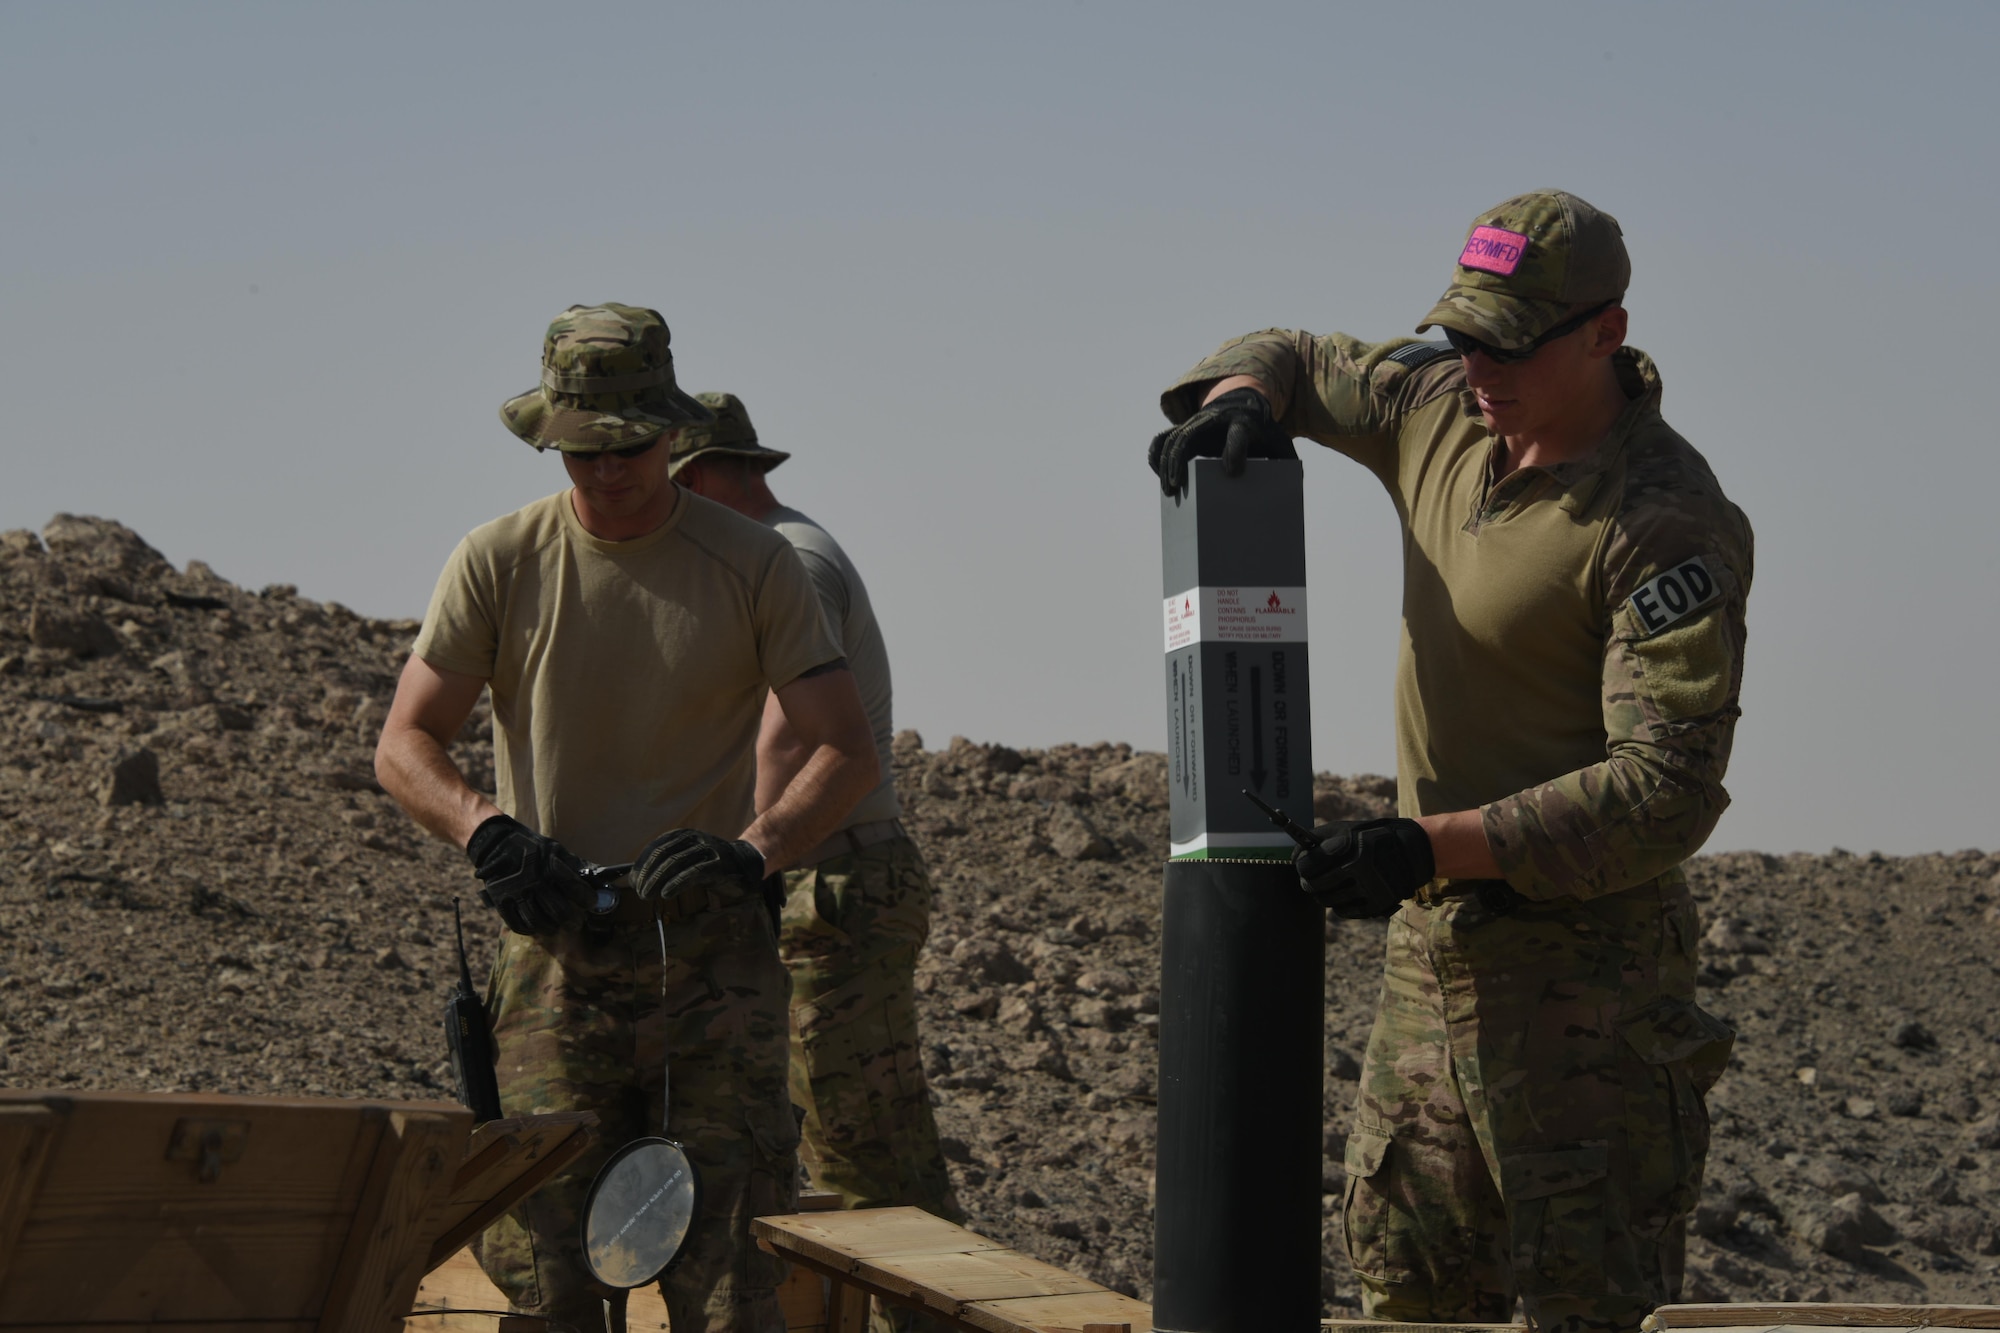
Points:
x=469, y=1035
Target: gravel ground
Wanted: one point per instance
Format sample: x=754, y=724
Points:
x=201, y=888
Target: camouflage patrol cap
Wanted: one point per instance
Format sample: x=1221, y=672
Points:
x=607, y=383
x=1528, y=265
x=729, y=433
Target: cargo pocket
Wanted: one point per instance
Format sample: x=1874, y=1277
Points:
x=776, y=1133
x=1555, y=1210
x=849, y=1057
x=808, y=922
x=1681, y=1032
x=1366, y=1215
x=1684, y=1050
x=506, y=1253
x=771, y=1186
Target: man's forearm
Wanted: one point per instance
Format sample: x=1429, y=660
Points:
x=1459, y=845
x=1231, y=383
x=781, y=754
x=813, y=804
x=417, y=771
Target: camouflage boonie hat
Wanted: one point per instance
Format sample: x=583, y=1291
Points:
x=607, y=383
x=1528, y=265
x=729, y=433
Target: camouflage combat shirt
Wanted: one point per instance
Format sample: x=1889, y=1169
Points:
x=1572, y=635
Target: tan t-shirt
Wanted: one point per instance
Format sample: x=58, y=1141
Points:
x=850, y=613
x=628, y=678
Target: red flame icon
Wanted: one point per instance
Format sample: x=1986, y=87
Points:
x=1187, y=606
x=1274, y=603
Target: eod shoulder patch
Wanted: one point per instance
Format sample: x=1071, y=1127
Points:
x=1674, y=595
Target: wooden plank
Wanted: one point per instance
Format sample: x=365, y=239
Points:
x=1057, y=1314
x=1823, y=1314
x=846, y=1308
x=803, y=1298
x=834, y=1240
x=876, y=1231
x=467, y=1299
x=387, y=1248
x=206, y=1103
x=1376, y=1326
x=1805, y=1327
x=26, y=1134
x=502, y=1168
x=493, y=1146
x=458, y=1286
x=961, y=1279
x=206, y=1326
x=907, y=1256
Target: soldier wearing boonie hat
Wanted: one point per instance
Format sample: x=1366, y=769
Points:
x=1530, y=1119
x=857, y=908
x=607, y=383
x=630, y=633
x=727, y=434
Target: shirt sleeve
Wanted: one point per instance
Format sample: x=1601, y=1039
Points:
x=461, y=628
x=793, y=636
x=831, y=585
x=1332, y=389
x=1676, y=575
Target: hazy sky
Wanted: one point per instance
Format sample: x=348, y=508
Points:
x=270, y=270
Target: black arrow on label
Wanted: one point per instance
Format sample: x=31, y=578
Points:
x=1257, y=773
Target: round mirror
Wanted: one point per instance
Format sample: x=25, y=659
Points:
x=637, y=1214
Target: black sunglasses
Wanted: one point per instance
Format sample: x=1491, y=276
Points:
x=1465, y=344
x=629, y=451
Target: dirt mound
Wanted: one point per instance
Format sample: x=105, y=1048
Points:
x=201, y=887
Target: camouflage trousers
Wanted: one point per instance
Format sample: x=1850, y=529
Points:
x=1531, y=1119
x=583, y=1021
x=853, y=927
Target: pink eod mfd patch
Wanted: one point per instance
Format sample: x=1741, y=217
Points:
x=1493, y=250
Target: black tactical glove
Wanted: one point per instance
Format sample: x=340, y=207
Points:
x=1365, y=868
x=1235, y=426
x=684, y=858
x=529, y=879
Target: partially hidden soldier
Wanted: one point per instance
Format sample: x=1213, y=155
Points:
x=857, y=907
x=1531, y=1119
x=630, y=632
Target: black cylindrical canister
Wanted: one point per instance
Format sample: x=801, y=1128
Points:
x=1243, y=949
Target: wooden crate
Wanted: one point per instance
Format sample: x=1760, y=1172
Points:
x=127, y=1211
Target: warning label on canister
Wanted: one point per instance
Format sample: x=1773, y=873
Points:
x=1236, y=669
x=1235, y=615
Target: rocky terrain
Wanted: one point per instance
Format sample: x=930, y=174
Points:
x=202, y=888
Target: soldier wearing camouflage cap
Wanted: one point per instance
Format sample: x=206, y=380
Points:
x=1531, y=1119
x=857, y=907
x=630, y=633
